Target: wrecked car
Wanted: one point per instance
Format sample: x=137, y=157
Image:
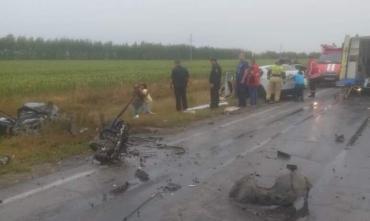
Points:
x=111, y=142
x=29, y=120
x=112, y=139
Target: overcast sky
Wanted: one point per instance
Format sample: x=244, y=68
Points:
x=258, y=25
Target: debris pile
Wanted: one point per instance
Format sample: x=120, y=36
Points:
x=29, y=120
x=287, y=189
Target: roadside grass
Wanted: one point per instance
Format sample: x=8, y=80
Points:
x=55, y=143
x=87, y=90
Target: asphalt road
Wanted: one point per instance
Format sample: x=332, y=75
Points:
x=217, y=153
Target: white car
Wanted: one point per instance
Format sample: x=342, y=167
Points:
x=288, y=84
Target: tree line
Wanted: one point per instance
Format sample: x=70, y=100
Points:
x=20, y=47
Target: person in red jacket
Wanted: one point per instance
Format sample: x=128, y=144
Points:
x=252, y=79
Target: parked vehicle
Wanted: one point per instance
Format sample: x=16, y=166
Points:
x=355, y=73
x=327, y=68
x=288, y=85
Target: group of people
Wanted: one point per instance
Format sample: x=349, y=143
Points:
x=248, y=82
x=247, y=85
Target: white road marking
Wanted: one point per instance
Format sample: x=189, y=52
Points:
x=46, y=187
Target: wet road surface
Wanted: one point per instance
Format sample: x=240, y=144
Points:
x=217, y=153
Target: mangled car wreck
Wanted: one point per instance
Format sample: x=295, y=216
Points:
x=29, y=120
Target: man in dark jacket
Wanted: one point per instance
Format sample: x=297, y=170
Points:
x=240, y=88
x=180, y=78
x=215, y=83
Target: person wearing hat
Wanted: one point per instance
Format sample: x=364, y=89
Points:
x=215, y=83
x=275, y=81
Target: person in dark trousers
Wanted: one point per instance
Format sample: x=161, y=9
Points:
x=215, y=83
x=240, y=87
x=299, y=85
x=180, y=78
x=252, y=80
x=313, y=79
x=313, y=85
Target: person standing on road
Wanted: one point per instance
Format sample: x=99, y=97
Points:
x=313, y=78
x=275, y=82
x=252, y=80
x=299, y=85
x=215, y=83
x=240, y=87
x=180, y=78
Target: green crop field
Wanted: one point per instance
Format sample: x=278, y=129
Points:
x=34, y=77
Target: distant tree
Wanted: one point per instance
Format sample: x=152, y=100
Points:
x=38, y=48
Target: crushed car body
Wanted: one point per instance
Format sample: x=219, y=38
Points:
x=29, y=120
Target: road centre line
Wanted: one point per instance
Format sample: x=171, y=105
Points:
x=46, y=187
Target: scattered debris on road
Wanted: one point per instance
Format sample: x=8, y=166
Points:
x=291, y=167
x=287, y=189
x=120, y=189
x=172, y=187
x=142, y=175
x=283, y=155
x=177, y=149
x=339, y=138
x=196, y=180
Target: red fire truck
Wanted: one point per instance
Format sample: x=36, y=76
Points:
x=327, y=67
